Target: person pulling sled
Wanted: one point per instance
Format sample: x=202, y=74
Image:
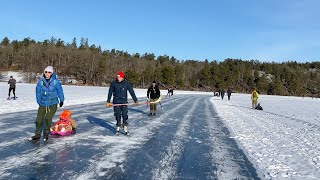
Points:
x=49, y=94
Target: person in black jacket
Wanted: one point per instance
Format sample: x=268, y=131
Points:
x=169, y=92
x=222, y=93
x=153, y=95
x=229, y=91
x=172, y=91
x=118, y=89
x=12, y=87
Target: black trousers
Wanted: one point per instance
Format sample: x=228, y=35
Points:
x=121, y=111
x=14, y=91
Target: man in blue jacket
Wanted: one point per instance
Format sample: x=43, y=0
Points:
x=118, y=89
x=49, y=94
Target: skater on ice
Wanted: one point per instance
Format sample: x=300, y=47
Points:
x=49, y=94
x=170, y=92
x=229, y=92
x=118, y=91
x=12, y=87
x=153, y=94
x=222, y=92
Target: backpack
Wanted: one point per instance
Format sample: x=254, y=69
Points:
x=259, y=107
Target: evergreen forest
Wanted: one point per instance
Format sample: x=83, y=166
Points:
x=88, y=64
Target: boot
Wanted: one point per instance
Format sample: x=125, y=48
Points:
x=125, y=128
x=35, y=137
x=73, y=131
x=46, y=136
x=118, y=130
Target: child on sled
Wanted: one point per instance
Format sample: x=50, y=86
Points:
x=65, y=125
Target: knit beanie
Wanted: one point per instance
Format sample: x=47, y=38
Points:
x=121, y=74
x=49, y=69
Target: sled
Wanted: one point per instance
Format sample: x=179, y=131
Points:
x=62, y=128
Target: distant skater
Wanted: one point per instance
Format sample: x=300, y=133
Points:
x=153, y=95
x=254, y=98
x=229, y=91
x=170, y=92
x=12, y=87
x=222, y=93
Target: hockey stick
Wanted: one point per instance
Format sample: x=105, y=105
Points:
x=127, y=104
x=130, y=104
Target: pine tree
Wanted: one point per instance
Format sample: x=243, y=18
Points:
x=5, y=41
x=74, y=43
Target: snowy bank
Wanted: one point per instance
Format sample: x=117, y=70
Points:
x=282, y=140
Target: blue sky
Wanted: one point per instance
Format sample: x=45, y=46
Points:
x=267, y=30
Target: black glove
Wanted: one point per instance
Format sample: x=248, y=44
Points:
x=73, y=131
x=61, y=104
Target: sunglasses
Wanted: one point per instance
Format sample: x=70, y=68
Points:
x=48, y=72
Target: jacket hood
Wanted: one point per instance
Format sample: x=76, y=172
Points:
x=53, y=76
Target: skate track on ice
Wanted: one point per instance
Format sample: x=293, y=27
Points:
x=186, y=140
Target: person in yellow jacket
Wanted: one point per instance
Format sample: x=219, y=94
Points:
x=254, y=98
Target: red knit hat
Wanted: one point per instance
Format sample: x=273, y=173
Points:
x=65, y=114
x=121, y=74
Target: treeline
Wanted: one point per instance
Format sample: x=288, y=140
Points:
x=91, y=65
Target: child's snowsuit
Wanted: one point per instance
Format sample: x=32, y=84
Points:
x=65, y=125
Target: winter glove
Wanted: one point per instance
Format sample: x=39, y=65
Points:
x=108, y=105
x=61, y=104
x=73, y=131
